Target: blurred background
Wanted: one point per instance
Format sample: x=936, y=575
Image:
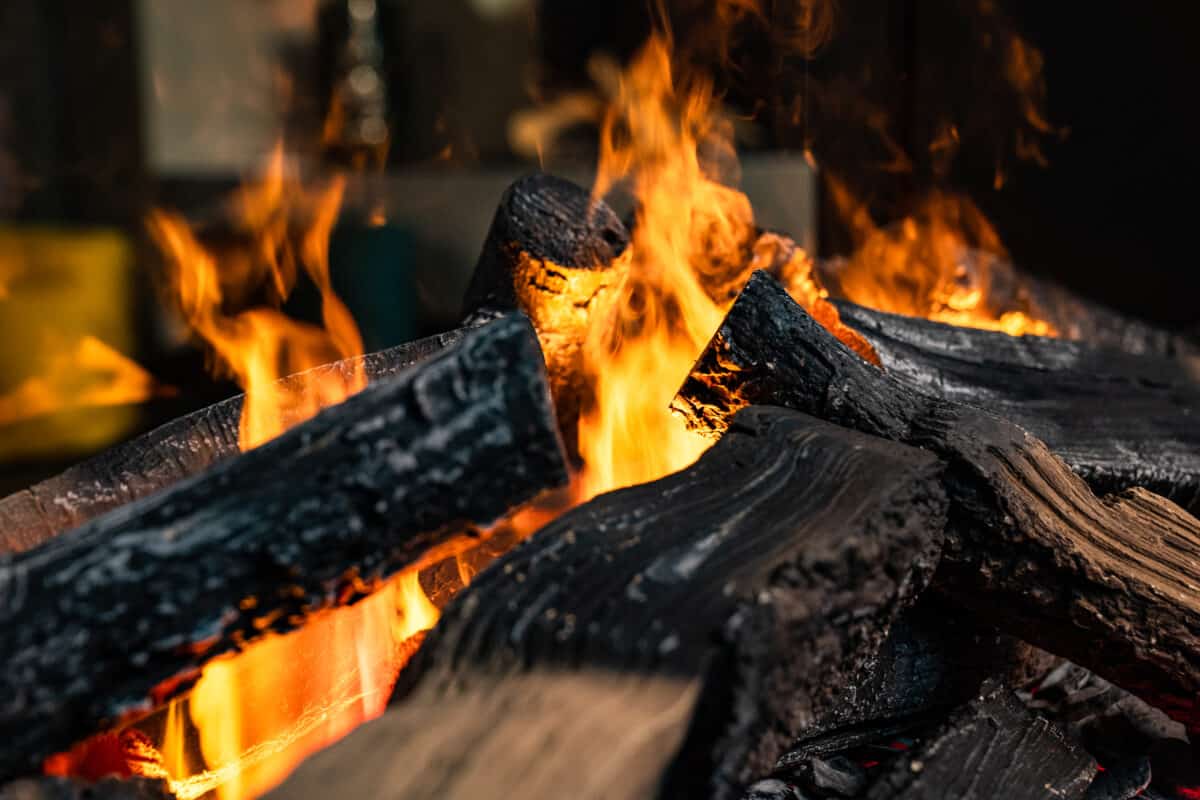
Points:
x=1070, y=129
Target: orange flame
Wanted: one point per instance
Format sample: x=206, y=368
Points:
x=260, y=345
x=258, y=713
x=945, y=262
x=691, y=234
x=89, y=374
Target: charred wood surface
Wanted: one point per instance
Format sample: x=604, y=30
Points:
x=168, y=454
x=994, y=749
x=1118, y=420
x=94, y=619
x=554, y=253
x=66, y=789
x=1110, y=583
x=668, y=639
x=935, y=658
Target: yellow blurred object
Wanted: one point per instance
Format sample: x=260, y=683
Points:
x=66, y=318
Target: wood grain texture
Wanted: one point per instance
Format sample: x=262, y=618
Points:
x=668, y=639
x=1117, y=419
x=993, y=749
x=93, y=620
x=1112, y=583
x=168, y=454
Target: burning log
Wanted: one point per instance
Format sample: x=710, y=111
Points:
x=95, y=621
x=1108, y=582
x=1118, y=420
x=992, y=748
x=550, y=253
x=166, y=455
x=107, y=789
x=687, y=626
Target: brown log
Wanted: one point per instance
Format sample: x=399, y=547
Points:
x=1111, y=583
x=662, y=640
x=95, y=619
x=166, y=455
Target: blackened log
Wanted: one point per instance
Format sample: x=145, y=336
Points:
x=994, y=749
x=668, y=638
x=1110, y=583
x=168, y=454
x=1118, y=420
x=93, y=620
x=1072, y=316
x=936, y=658
x=553, y=252
x=67, y=789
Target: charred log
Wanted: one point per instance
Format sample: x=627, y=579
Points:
x=934, y=659
x=94, y=620
x=668, y=638
x=166, y=455
x=551, y=253
x=1118, y=420
x=994, y=748
x=1108, y=582
x=107, y=789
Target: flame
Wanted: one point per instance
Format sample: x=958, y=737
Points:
x=86, y=375
x=258, y=713
x=945, y=262
x=689, y=238
x=259, y=345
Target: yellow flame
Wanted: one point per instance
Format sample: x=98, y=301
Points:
x=259, y=345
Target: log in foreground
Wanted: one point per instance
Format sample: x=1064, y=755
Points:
x=668, y=639
x=168, y=454
x=1110, y=583
x=992, y=748
x=1118, y=420
x=93, y=620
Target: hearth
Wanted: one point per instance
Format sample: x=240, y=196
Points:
x=866, y=587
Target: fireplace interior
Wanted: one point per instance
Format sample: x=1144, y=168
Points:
x=743, y=457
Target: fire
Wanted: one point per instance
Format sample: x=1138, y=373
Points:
x=254, y=715
x=945, y=262
x=260, y=345
x=89, y=374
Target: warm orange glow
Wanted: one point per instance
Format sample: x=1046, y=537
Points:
x=252, y=716
x=941, y=262
x=259, y=345
x=687, y=252
x=257, y=713
x=88, y=374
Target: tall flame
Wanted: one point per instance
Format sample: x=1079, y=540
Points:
x=260, y=345
x=690, y=237
x=258, y=713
